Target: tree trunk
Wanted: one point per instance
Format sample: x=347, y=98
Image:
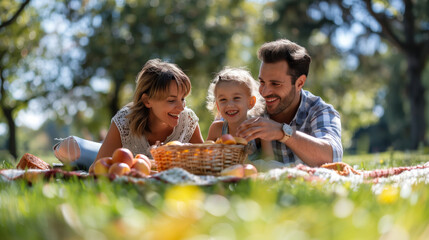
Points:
x=114, y=102
x=416, y=95
x=416, y=61
x=8, y=114
x=12, y=132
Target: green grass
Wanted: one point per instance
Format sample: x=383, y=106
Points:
x=386, y=160
x=249, y=209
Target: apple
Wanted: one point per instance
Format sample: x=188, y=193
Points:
x=209, y=142
x=235, y=171
x=250, y=170
x=174, y=143
x=119, y=169
x=142, y=166
x=145, y=158
x=240, y=140
x=102, y=165
x=228, y=139
x=123, y=155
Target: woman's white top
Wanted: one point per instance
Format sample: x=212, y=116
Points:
x=188, y=121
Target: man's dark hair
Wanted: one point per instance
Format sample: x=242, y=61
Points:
x=296, y=56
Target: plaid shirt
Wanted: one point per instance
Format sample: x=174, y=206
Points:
x=318, y=119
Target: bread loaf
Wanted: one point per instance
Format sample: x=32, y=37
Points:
x=32, y=162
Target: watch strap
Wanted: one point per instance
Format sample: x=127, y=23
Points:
x=286, y=136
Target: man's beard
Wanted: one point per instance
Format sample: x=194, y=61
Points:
x=283, y=103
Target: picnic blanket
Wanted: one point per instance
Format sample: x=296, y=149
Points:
x=332, y=173
x=32, y=174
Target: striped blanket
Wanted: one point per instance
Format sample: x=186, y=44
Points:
x=333, y=173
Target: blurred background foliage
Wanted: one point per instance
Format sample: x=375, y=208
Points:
x=67, y=66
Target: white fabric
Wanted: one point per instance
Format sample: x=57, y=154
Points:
x=188, y=121
x=67, y=150
x=76, y=151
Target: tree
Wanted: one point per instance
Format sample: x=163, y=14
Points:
x=33, y=65
x=20, y=33
x=404, y=27
x=12, y=19
x=194, y=34
x=332, y=75
x=400, y=24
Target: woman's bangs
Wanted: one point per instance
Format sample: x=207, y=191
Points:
x=184, y=85
x=160, y=89
x=160, y=93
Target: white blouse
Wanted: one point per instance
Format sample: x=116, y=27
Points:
x=183, y=132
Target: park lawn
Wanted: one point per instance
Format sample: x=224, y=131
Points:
x=249, y=209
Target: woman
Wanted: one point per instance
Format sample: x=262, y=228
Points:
x=157, y=113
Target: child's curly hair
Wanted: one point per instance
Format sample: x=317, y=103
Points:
x=241, y=76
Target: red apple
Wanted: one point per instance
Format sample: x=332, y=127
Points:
x=123, y=155
x=228, y=139
x=235, y=171
x=102, y=165
x=119, y=169
x=145, y=158
x=250, y=170
x=142, y=166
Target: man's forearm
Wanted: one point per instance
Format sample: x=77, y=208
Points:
x=312, y=151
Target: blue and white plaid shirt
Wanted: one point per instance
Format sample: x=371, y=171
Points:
x=318, y=119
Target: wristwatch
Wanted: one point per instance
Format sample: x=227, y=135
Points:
x=288, y=131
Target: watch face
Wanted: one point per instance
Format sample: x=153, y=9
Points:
x=287, y=129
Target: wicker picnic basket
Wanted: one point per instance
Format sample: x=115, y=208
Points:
x=199, y=159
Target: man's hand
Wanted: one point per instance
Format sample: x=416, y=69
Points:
x=259, y=127
x=311, y=150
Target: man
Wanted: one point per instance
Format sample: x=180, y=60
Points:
x=302, y=128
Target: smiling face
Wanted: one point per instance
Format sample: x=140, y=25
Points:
x=167, y=110
x=233, y=100
x=281, y=97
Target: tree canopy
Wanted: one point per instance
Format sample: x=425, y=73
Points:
x=76, y=61
x=358, y=34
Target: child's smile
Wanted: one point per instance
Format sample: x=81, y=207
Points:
x=231, y=113
x=232, y=100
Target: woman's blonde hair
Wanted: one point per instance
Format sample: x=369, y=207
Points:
x=154, y=80
x=240, y=76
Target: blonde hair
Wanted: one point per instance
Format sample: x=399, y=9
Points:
x=240, y=76
x=154, y=80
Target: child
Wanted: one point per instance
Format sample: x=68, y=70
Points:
x=234, y=96
x=157, y=113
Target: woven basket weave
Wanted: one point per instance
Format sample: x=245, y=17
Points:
x=199, y=159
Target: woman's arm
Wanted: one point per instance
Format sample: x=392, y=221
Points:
x=109, y=145
x=196, y=136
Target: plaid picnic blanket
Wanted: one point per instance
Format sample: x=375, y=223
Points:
x=333, y=172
